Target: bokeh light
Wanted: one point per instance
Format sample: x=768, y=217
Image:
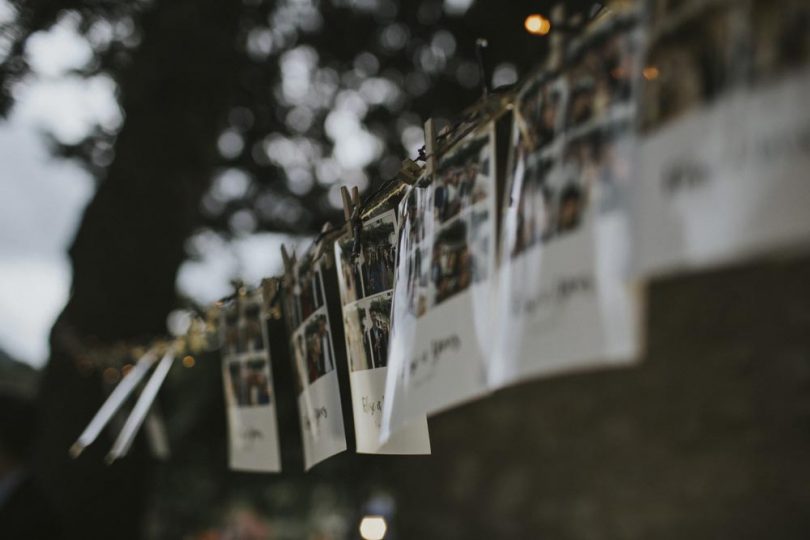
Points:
x=373, y=528
x=537, y=24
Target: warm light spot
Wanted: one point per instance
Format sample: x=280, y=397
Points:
x=188, y=361
x=373, y=528
x=126, y=369
x=650, y=73
x=537, y=24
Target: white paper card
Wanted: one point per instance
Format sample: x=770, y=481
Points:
x=564, y=304
x=312, y=349
x=248, y=384
x=366, y=279
x=442, y=331
x=723, y=173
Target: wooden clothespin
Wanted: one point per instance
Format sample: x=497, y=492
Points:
x=348, y=209
x=351, y=208
x=285, y=257
x=240, y=291
x=355, y=200
x=318, y=251
x=357, y=208
x=289, y=266
x=347, y=203
x=270, y=290
x=410, y=172
x=351, y=211
x=430, y=147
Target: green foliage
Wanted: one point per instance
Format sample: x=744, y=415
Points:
x=326, y=92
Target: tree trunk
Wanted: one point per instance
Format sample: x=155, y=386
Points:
x=129, y=246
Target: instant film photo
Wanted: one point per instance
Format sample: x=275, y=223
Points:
x=314, y=366
x=247, y=375
x=366, y=279
x=563, y=300
x=724, y=120
x=442, y=330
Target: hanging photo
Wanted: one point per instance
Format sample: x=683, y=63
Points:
x=564, y=304
x=366, y=279
x=723, y=152
x=248, y=379
x=442, y=330
x=314, y=365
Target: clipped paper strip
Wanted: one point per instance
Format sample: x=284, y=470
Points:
x=114, y=401
x=142, y=407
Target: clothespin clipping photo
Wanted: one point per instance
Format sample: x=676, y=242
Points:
x=410, y=172
x=430, y=147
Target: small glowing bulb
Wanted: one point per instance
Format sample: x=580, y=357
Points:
x=373, y=528
x=537, y=24
x=188, y=361
x=650, y=73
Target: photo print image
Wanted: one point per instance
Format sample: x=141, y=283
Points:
x=367, y=266
x=248, y=385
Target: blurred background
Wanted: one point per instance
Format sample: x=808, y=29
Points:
x=153, y=151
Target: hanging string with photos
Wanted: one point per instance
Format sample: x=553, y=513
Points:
x=595, y=199
x=209, y=331
x=206, y=332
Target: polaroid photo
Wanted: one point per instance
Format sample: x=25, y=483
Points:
x=248, y=387
x=441, y=336
x=722, y=168
x=563, y=302
x=314, y=365
x=367, y=327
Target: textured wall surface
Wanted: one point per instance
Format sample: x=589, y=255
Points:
x=708, y=438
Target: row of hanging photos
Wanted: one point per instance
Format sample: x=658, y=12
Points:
x=518, y=250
